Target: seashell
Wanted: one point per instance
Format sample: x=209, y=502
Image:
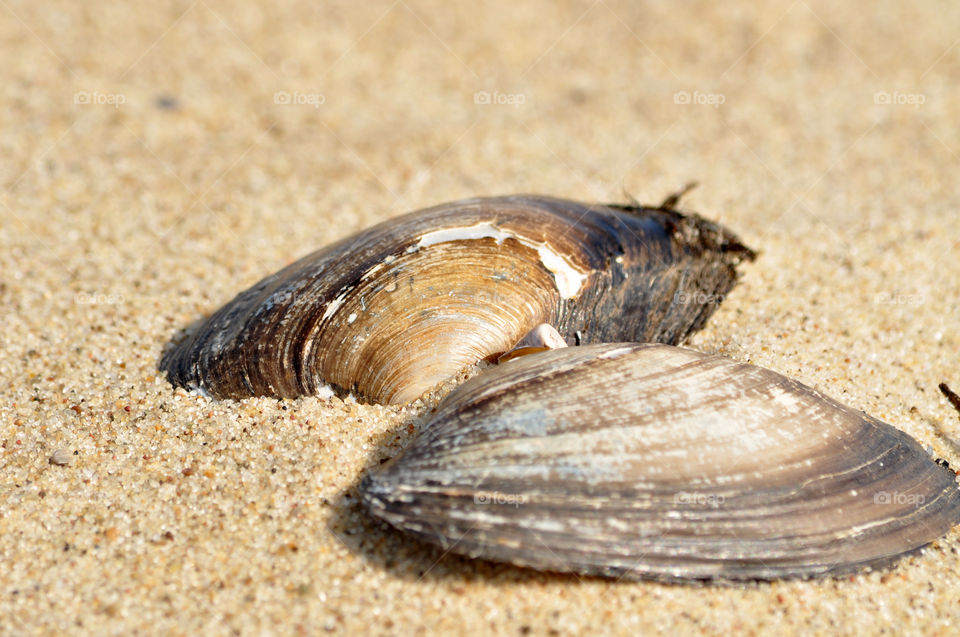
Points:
x=539, y=339
x=394, y=310
x=652, y=461
x=61, y=457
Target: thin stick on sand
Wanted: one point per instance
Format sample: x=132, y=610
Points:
x=951, y=396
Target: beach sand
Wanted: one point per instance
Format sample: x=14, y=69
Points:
x=157, y=160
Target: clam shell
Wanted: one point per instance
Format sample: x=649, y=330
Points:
x=397, y=309
x=539, y=339
x=652, y=461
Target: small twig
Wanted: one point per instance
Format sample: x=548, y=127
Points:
x=671, y=201
x=951, y=396
x=626, y=195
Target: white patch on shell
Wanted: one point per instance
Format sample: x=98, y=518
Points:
x=788, y=400
x=569, y=280
x=615, y=353
x=352, y=317
x=464, y=233
x=373, y=270
x=335, y=304
x=332, y=307
x=566, y=276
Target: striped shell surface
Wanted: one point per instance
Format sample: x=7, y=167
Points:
x=652, y=461
x=398, y=308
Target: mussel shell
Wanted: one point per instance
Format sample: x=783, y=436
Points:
x=652, y=461
x=396, y=309
x=539, y=339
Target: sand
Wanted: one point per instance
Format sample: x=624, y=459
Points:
x=156, y=160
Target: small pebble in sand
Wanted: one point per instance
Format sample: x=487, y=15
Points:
x=61, y=457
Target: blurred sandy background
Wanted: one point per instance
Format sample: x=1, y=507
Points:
x=156, y=159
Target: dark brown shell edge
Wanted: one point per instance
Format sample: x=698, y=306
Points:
x=673, y=269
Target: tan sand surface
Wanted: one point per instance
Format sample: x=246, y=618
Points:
x=156, y=159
